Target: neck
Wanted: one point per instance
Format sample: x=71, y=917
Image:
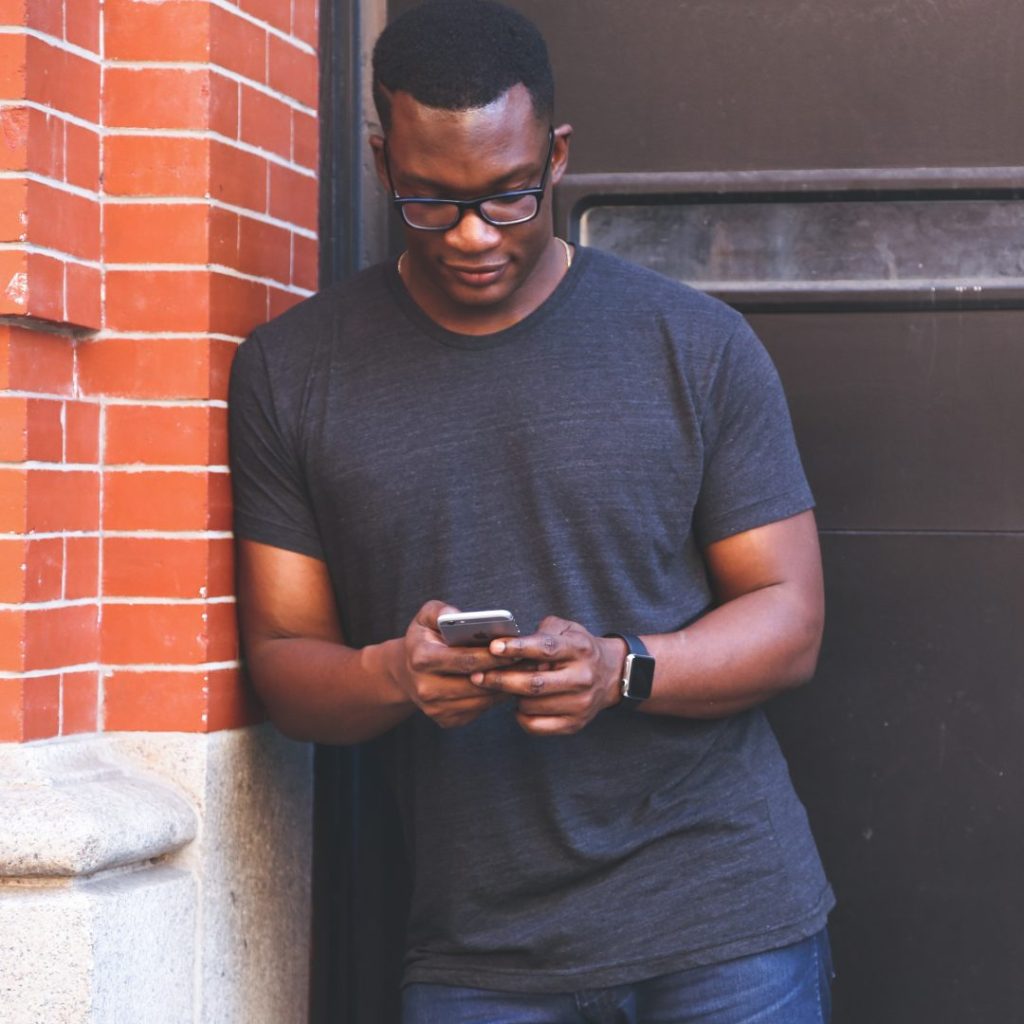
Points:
x=488, y=318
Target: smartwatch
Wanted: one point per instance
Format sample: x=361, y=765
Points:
x=637, y=672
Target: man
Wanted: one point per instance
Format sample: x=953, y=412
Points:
x=498, y=421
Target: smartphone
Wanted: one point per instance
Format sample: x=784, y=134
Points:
x=476, y=629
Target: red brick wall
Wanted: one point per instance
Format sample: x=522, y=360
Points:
x=158, y=199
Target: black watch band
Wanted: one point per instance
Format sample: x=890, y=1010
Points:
x=637, y=672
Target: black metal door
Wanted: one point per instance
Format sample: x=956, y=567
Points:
x=849, y=174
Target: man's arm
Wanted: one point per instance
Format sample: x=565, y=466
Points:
x=314, y=686
x=762, y=638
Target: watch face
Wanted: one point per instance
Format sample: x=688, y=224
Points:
x=639, y=677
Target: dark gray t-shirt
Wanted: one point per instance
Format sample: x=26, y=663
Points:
x=572, y=464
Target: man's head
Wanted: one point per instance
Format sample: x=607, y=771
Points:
x=461, y=54
x=465, y=95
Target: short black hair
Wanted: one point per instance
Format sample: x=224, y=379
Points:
x=459, y=55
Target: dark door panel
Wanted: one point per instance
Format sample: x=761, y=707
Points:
x=907, y=421
x=907, y=751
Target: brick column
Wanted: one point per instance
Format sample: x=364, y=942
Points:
x=158, y=199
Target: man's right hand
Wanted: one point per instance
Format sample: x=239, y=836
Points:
x=435, y=677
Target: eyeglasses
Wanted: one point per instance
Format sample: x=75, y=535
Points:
x=502, y=209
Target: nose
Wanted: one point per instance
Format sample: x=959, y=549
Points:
x=473, y=234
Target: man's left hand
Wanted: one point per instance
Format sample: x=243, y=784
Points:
x=573, y=676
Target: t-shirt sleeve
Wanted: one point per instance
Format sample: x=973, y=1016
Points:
x=752, y=470
x=271, y=503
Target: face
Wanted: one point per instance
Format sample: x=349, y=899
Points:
x=476, y=275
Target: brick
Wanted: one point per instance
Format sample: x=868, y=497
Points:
x=82, y=24
x=294, y=197
x=12, y=639
x=264, y=250
x=292, y=71
x=63, y=221
x=231, y=702
x=266, y=122
x=175, y=634
x=157, y=435
x=14, y=445
x=59, y=637
x=281, y=301
x=82, y=433
x=13, y=210
x=81, y=567
x=44, y=569
x=11, y=710
x=238, y=177
x=155, y=233
x=305, y=140
x=63, y=80
x=305, y=261
x=46, y=16
x=16, y=136
x=82, y=156
x=164, y=567
x=13, y=59
x=147, y=368
x=237, y=305
x=45, y=286
x=45, y=430
x=13, y=569
x=217, y=451
x=155, y=166
x=238, y=45
x=222, y=353
x=221, y=567
x=83, y=290
x=219, y=514
x=154, y=300
x=304, y=21
x=224, y=237
x=175, y=30
x=155, y=701
x=13, y=282
x=221, y=632
x=79, y=701
x=13, y=12
x=41, y=707
x=224, y=104
x=63, y=500
x=162, y=501
x=37, y=361
x=273, y=12
x=166, y=98
x=47, y=145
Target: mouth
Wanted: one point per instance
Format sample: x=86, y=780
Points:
x=477, y=277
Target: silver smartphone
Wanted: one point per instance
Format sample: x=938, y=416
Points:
x=476, y=629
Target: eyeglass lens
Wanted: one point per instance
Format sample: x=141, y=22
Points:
x=500, y=210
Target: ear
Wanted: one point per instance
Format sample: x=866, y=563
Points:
x=377, y=145
x=560, y=152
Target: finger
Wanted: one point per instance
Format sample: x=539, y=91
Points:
x=540, y=646
x=429, y=656
x=427, y=615
x=549, y=725
x=532, y=683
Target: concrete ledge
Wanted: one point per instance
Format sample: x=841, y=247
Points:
x=70, y=809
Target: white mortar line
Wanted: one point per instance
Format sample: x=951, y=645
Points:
x=57, y=44
x=60, y=186
x=57, y=254
x=273, y=30
x=61, y=115
x=208, y=134
x=216, y=204
x=217, y=69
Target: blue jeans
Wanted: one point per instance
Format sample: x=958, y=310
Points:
x=784, y=986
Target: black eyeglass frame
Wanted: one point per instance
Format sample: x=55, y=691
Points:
x=476, y=205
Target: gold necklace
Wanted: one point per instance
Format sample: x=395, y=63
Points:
x=565, y=246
